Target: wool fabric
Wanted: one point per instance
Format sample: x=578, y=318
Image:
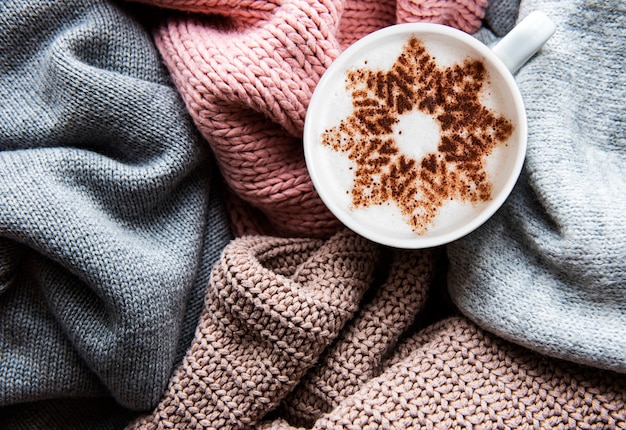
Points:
x=454, y=375
x=319, y=334
x=501, y=16
x=247, y=70
x=108, y=219
x=465, y=15
x=110, y=226
x=548, y=271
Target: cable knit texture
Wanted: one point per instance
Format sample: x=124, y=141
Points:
x=308, y=330
x=465, y=15
x=247, y=70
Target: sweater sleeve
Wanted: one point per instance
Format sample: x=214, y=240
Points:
x=272, y=307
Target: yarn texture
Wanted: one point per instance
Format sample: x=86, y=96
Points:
x=548, y=270
x=501, y=16
x=106, y=211
x=308, y=331
x=247, y=73
x=135, y=135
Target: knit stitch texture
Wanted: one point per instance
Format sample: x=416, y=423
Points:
x=107, y=217
x=279, y=311
x=247, y=70
x=115, y=295
x=501, y=16
x=548, y=271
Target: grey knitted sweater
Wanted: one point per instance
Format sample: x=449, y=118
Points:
x=548, y=271
x=108, y=226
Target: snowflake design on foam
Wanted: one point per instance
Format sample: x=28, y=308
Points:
x=469, y=132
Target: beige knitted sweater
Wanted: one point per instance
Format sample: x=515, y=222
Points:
x=332, y=334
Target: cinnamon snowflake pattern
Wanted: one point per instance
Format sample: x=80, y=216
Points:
x=469, y=132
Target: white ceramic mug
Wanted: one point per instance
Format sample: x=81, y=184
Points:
x=416, y=134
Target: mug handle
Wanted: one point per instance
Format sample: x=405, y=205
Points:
x=524, y=40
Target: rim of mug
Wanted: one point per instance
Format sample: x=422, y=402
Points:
x=310, y=137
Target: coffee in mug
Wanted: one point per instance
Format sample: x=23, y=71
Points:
x=416, y=134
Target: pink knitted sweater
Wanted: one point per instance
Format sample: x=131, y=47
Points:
x=246, y=70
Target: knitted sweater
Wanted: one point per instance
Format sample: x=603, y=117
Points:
x=110, y=227
x=247, y=70
x=108, y=222
x=304, y=333
x=548, y=271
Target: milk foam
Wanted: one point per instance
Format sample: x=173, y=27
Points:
x=416, y=134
